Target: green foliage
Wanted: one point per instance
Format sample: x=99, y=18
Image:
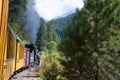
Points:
x=56, y=38
x=51, y=68
x=17, y=7
x=93, y=43
x=46, y=35
x=47, y=42
x=16, y=17
x=52, y=46
x=18, y=30
x=42, y=36
x=50, y=33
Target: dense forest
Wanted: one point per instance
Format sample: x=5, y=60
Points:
x=90, y=47
x=47, y=43
x=46, y=34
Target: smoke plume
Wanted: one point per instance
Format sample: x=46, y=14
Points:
x=32, y=22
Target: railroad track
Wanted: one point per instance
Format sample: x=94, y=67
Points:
x=28, y=74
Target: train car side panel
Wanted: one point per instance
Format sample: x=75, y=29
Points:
x=0, y=12
x=3, y=30
x=9, y=61
x=20, y=56
x=8, y=68
x=19, y=63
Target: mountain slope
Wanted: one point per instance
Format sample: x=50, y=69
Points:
x=60, y=23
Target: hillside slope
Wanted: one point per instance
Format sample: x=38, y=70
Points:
x=60, y=23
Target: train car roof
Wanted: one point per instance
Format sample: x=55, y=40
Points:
x=15, y=35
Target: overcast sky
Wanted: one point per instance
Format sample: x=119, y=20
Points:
x=50, y=9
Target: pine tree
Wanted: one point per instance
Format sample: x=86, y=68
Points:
x=52, y=35
x=41, y=36
x=56, y=37
x=50, y=32
x=92, y=44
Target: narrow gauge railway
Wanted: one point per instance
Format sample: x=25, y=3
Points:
x=14, y=55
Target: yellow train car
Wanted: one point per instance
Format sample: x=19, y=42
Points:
x=11, y=48
x=3, y=32
x=10, y=55
x=20, y=55
x=13, y=55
